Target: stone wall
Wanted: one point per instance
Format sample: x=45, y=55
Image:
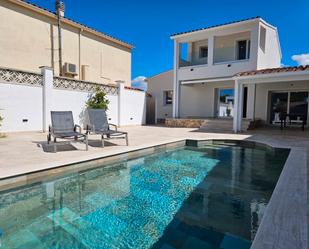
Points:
x=184, y=122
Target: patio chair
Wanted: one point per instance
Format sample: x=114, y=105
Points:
x=99, y=125
x=63, y=127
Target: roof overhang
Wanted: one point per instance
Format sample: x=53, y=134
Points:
x=209, y=80
x=274, y=77
x=216, y=27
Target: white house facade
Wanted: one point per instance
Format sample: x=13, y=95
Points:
x=218, y=73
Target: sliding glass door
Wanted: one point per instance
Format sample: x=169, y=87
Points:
x=293, y=103
x=298, y=108
x=278, y=104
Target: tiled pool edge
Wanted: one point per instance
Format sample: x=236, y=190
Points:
x=270, y=234
x=284, y=224
x=45, y=174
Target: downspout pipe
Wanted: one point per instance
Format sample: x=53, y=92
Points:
x=59, y=9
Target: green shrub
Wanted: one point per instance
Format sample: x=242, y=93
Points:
x=1, y=119
x=98, y=100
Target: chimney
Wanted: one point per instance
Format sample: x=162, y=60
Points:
x=60, y=8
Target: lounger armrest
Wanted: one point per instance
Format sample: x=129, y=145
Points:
x=50, y=129
x=115, y=126
x=78, y=127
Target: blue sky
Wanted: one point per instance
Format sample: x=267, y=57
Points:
x=148, y=24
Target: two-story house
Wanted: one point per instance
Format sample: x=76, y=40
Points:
x=217, y=71
x=32, y=37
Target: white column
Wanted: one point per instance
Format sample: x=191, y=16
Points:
x=240, y=105
x=176, y=92
x=236, y=106
x=121, y=90
x=211, y=46
x=251, y=101
x=48, y=77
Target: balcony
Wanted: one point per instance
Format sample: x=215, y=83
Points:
x=216, y=56
x=231, y=48
x=193, y=53
x=226, y=49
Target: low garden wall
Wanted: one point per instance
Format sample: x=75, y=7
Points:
x=27, y=98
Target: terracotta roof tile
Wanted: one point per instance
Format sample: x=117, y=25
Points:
x=274, y=70
x=215, y=26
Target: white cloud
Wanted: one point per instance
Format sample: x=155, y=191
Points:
x=301, y=59
x=139, y=79
x=139, y=82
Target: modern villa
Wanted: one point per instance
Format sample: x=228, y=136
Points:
x=231, y=71
x=83, y=164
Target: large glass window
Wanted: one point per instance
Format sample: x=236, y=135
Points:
x=168, y=97
x=293, y=103
x=298, y=108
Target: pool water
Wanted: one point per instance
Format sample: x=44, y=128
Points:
x=193, y=197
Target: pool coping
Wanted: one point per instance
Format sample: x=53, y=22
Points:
x=284, y=224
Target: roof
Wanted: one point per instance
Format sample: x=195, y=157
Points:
x=215, y=26
x=34, y=7
x=156, y=75
x=274, y=70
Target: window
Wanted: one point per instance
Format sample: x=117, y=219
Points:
x=243, y=49
x=203, y=52
x=262, y=38
x=168, y=97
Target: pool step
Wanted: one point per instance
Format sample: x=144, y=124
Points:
x=222, y=125
x=80, y=229
x=22, y=239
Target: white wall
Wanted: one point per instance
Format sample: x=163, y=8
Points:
x=67, y=100
x=132, y=107
x=156, y=86
x=271, y=56
x=19, y=101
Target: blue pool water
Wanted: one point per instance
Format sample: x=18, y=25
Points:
x=207, y=197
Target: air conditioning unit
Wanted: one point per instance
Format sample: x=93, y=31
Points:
x=70, y=68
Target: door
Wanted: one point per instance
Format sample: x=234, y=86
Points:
x=225, y=107
x=150, y=110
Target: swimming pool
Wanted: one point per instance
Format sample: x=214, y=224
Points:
x=211, y=196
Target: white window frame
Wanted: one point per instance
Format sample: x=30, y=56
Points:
x=164, y=97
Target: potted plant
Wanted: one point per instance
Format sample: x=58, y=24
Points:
x=98, y=100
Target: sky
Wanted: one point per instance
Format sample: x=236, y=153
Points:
x=148, y=24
